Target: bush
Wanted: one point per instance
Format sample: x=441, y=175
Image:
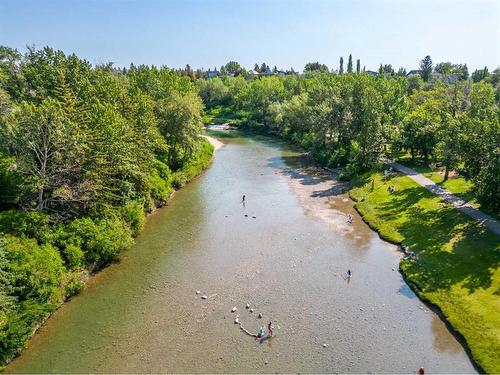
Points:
x=25, y=224
x=34, y=271
x=73, y=256
x=101, y=239
x=133, y=214
x=19, y=325
x=74, y=284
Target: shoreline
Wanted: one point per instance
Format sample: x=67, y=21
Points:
x=214, y=142
x=325, y=198
x=89, y=275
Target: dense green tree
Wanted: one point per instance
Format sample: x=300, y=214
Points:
x=349, y=64
x=480, y=74
x=315, y=66
x=213, y=91
x=179, y=118
x=341, y=65
x=426, y=68
x=233, y=68
x=358, y=66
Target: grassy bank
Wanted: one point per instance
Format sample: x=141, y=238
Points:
x=457, y=261
x=45, y=263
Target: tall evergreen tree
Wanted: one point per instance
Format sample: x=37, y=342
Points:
x=341, y=67
x=349, y=64
x=358, y=66
x=426, y=68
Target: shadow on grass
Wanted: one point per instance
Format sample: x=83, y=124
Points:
x=451, y=250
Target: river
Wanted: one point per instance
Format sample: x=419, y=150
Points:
x=142, y=314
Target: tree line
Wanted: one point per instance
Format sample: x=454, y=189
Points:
x=354, y=119
x=85, y=152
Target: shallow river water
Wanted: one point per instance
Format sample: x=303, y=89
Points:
x=142, y=314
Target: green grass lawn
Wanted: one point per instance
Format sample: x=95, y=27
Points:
x=457, y=185
x=457, y=260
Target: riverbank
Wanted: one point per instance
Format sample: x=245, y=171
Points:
x=456, y=260
x=270, y=253
x=112, y=235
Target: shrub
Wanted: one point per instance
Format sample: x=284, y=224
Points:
x=25, y=224
x=102, y=239
x=74, y=284
x=133, y=214
x=35, y=271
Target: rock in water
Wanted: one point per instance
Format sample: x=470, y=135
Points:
x=251, y=310
x=233, y=309
x=248, y=306
x=260, y=315
x=325, y=345
x=204, y=297
x=198, y=292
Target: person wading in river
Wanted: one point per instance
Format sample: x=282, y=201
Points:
x=270, y=329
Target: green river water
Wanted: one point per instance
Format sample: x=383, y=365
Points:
x=142, y=314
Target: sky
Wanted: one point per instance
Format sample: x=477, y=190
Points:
x=285, y=33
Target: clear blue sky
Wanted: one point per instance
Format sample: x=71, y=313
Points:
x=208, y=33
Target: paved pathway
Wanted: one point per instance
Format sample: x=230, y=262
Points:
x=464, y=207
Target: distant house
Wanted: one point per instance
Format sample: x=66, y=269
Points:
x=446, y=78
x=255, y=74
x=212, y=73
x=412, y=73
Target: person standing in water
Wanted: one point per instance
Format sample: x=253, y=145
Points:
x=270, y=329
x=349, y=273
x=243, y=198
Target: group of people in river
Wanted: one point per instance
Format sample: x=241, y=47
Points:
x=261, y=332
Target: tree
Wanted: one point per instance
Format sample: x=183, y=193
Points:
x=180, y=123
x=480, y=149
x=444, y=68
x=213, y=91
x=233, y=68
x=349, y=64
x=341, y=65
x=256, y=68
x=315, y=66
x=49, y=152
x=426, y=68
x=358, y=66
x=480, y=74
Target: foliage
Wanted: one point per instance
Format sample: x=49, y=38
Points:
x=85, y=151
x=315, y=66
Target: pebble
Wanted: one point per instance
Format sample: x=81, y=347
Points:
x=260, y=315
x=266, y=362
x=248, y=306
x=251, y=310
x=198, y=292
x=325, y=345
x=204, y=297
x=233, y=309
